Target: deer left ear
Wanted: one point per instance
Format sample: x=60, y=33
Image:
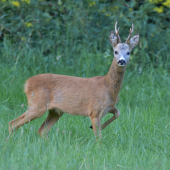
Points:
x=134, y=41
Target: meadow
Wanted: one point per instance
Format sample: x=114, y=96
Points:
x=71, y=38
x=138, y=139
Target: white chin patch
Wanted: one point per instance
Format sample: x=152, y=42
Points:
x=121, y=65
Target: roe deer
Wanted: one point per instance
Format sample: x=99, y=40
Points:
x=93, y=97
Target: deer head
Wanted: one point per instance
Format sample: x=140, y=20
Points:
x=122, y=50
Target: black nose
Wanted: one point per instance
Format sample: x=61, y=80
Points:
x=121, y=62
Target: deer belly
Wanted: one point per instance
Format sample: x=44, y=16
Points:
x=71, y=105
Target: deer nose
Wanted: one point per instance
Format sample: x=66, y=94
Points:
x=121, y=62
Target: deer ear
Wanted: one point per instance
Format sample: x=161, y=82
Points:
x=134, y=41
x=113, y=38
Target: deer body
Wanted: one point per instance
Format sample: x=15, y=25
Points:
x=74, y=95
x=93, y=97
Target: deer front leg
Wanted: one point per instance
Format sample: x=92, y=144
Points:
x=115, y=116
x=96, y=123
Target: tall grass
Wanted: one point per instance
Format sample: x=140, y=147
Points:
x=138, y=139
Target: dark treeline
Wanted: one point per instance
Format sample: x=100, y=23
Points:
x=68, y=27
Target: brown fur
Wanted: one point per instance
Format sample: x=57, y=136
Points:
x=92, y=97
x=73, y=95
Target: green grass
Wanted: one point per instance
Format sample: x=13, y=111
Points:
x=138, y=139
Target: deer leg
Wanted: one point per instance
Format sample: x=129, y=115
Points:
x=115, y=116
x=96, y=123
x=51, y=119
x=26, y=117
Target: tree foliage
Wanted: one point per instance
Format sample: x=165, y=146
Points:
x=68, y=27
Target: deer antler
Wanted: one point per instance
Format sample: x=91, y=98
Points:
x=131, y=31
x=117, y=33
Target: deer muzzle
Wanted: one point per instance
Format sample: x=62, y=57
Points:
x=121, y=62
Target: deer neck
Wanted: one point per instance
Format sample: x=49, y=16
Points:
x=114, y=79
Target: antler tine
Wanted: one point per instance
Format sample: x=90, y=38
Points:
x=117, y=33
x=131, y=31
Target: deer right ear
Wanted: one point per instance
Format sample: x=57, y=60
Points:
x=134, y=41
x=113, y=38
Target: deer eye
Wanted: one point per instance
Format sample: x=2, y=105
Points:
x=116, y=52
x=128, y=53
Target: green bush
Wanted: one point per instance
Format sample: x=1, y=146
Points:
x=66, y=28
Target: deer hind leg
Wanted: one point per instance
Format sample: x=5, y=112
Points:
x=26, y=117
x=51, y=119
x=96, y=124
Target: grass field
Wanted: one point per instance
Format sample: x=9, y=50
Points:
x=138, y=139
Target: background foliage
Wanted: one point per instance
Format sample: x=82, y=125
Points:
x=71, y=37
x=50, y=29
